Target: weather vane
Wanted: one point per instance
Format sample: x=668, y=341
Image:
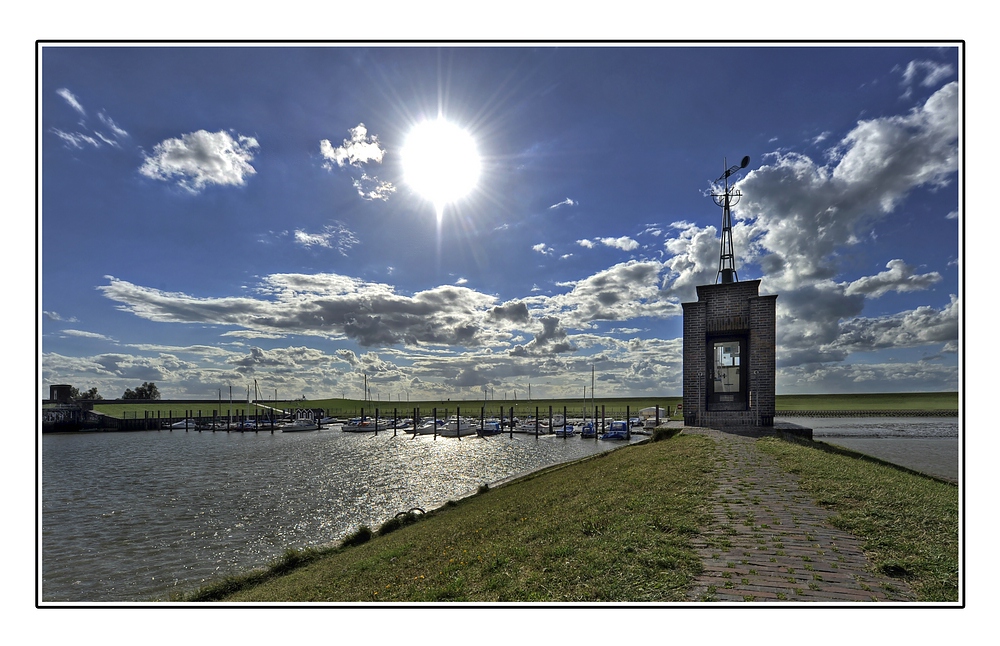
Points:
x=730, y=196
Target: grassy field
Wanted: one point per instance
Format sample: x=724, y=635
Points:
x=613, y=407
x=614, y=527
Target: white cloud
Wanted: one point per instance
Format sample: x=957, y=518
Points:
x=333, y=236
x=54, y=316
x=820, y=138
x=619, y=293
x=624, y=243
x=87, y=335
x=915, y=328
x=933, y=73
x=200, y=158
x=800, y=214
x=589, y=244
x=116, y=130
x=76, y=139
x=543, y=249
x=357, y=150
x=328, y=305
x=95, y=138
x=566, y=202
x=71, y=99
x=372, y=188
x=899, y=277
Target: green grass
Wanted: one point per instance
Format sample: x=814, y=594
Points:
x=909, y=523
x=868, y=401
x=614, y=527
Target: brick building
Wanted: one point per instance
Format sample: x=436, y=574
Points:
x=729, y=356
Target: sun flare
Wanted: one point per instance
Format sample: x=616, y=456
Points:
x=440, y=162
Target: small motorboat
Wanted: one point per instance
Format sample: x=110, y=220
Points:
x=568, y=430
x=491, y=427
x=616, y=431
x=302, y=422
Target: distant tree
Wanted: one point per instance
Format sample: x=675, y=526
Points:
x=147, y=390
x=75, y=393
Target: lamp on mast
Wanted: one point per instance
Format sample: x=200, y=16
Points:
x=729, y=197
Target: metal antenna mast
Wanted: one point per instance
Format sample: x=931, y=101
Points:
x=727, y=269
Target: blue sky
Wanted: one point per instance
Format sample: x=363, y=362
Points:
x=215, y=215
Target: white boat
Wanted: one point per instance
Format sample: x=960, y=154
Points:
x=651, y=413
x=457, y=427
x=429, y=426
x=404, y=425
x=184, y=423
x=366, y=425
x=304, y=421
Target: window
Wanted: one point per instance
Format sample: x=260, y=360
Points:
x=726, y=383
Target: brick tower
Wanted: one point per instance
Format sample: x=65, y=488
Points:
x=729, y=341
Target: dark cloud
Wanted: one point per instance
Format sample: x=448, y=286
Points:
x=510, y=312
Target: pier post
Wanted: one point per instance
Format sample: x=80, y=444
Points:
x=551, y=430
x=458, y=422
x=564, y=422
x=536, y=422
x=628, y=422
x=435, y=421
x=602, y=418
x=512, y=422
x=395, y=422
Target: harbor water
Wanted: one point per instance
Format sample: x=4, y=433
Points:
x=144, y=516
x=929, y=445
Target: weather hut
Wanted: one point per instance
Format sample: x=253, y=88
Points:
x=729, y=340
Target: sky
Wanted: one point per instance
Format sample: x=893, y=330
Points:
x=444, y=222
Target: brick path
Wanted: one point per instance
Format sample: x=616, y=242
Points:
x=769, y=542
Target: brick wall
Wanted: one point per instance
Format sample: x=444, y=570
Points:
x=730, y=309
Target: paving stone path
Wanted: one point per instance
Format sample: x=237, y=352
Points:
x=771, y=543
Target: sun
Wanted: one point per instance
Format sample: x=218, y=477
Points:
x=441, y=162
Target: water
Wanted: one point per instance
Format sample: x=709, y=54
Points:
x=142, y=516
x=926, y=444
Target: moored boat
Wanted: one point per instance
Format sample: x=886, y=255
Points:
x=567, y=430
x=359, y=425
x=490, y=427
x=304, y=421
x=616, y=431
x=456, y=427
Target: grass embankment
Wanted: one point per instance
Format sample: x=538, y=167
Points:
x=909, y=523
x=788, y=404
x=615, y=527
